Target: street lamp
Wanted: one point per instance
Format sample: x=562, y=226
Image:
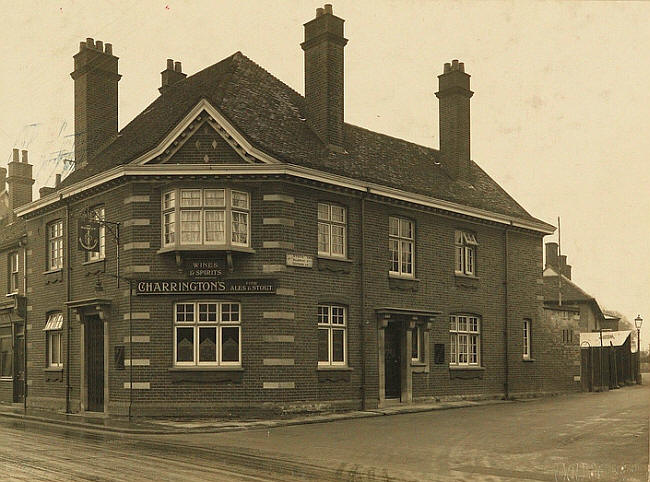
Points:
x=638, y=321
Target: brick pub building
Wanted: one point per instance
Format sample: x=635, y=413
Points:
x=279, y=258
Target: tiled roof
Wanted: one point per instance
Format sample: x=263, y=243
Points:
x=271, y=116
x=570, y=291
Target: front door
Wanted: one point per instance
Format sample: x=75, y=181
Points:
x=19, y=364
x=95, y=363
x=393, y=360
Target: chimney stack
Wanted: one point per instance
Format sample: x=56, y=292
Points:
x=3, y=179
x=172, y=74
x=454, y=94
x=323, y=46
x=95, y=98
x=552, y=255
x=19, y=180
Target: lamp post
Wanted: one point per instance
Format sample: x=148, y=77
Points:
x=638, y=321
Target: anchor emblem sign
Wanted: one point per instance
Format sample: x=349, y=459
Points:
x=88, y=239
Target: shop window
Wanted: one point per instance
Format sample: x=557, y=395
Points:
x=207, y=334
x=526, y=344
x=54, y=340
x=465, y=340
x=98, y=214
x=332, y=335
x=465, y=248
x=13, y=272
x=331, y=230
x=55, y=245
x=401, y=243
x=210, y=218
x=6, y=352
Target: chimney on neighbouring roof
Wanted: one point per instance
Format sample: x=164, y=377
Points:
x=45, y=190
x=95, y=98
x=19, y=180
x=172, y=74
x=323, y=46
x=555, y=261
x=454, y=94
x=3, y=179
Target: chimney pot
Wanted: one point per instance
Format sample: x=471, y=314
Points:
x=82, y=45
x=108, y=48
x=447, y=67
x=178, y=67
x=454, y=64
x=90, y=43
x=24, y=156
x=57, y=180
x=16, y=156
x=461, y=66
x=99, y=45
x=328, y=8
x=319, y=12
x=170, y=64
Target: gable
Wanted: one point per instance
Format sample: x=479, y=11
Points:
x=202, y=142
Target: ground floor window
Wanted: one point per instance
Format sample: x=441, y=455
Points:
x=527, y=339
x=465, y=340
x=207, y=333
x=6, y=352
x=417, y=344
x=332, y=341
x=54, y=340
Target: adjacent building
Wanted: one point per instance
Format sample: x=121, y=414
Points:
x=238, y=247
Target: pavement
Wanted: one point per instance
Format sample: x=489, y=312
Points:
x=151, y=426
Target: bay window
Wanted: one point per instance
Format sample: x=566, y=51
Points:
x=205, y=218
x=207, y=333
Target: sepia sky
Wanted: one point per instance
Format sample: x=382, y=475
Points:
x=560, y=114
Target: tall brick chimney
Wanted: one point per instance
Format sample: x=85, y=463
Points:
x=95, y=98
x=172, y=74
x=19, y=180
x=323, y=46
x=454, y=94
x=3, y=179
x=556, y=261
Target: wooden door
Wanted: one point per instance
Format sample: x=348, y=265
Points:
x=94, y=344
x=393, y=361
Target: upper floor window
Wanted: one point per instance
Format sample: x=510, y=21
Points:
x=526, y=331
x=401, y=242
x=332, y=349
x=205, y=217
x=55, y=245
x=207, y=333
x=331, y=230
x=567, y=336
x=98, y=214
x=13, y=272
x=465, y=340
x=465, y=246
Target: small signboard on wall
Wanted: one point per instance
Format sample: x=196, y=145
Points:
x=300, y=260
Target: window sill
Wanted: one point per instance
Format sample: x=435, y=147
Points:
x=343, y=259
x=335, y=368
x=528, y=359
x=6, y=379
x=463, y=275
x=52, y=271
x=93, y=261
x=466, y=367
x=12, y=294
x=402, y=276
x=53, y=369
x=232, y=374
x=205, y=247
x=419, y=367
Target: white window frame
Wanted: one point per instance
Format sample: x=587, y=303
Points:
x=419, y=335
x=219, y=324
x=400, y=239
x=327, y=222
x=55, y=245
x=172, y=207
x=331, y=327
x=99, y=214
x=14, y=272
x=54, y=331
x=11, y=355
x=526, y=339
x=461, y=329
x=465, y=253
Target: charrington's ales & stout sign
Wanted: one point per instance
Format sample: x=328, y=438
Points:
x=205, y=287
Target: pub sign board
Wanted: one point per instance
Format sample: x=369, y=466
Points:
x=88, y=236
x=204, y=268
x=245, y=286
